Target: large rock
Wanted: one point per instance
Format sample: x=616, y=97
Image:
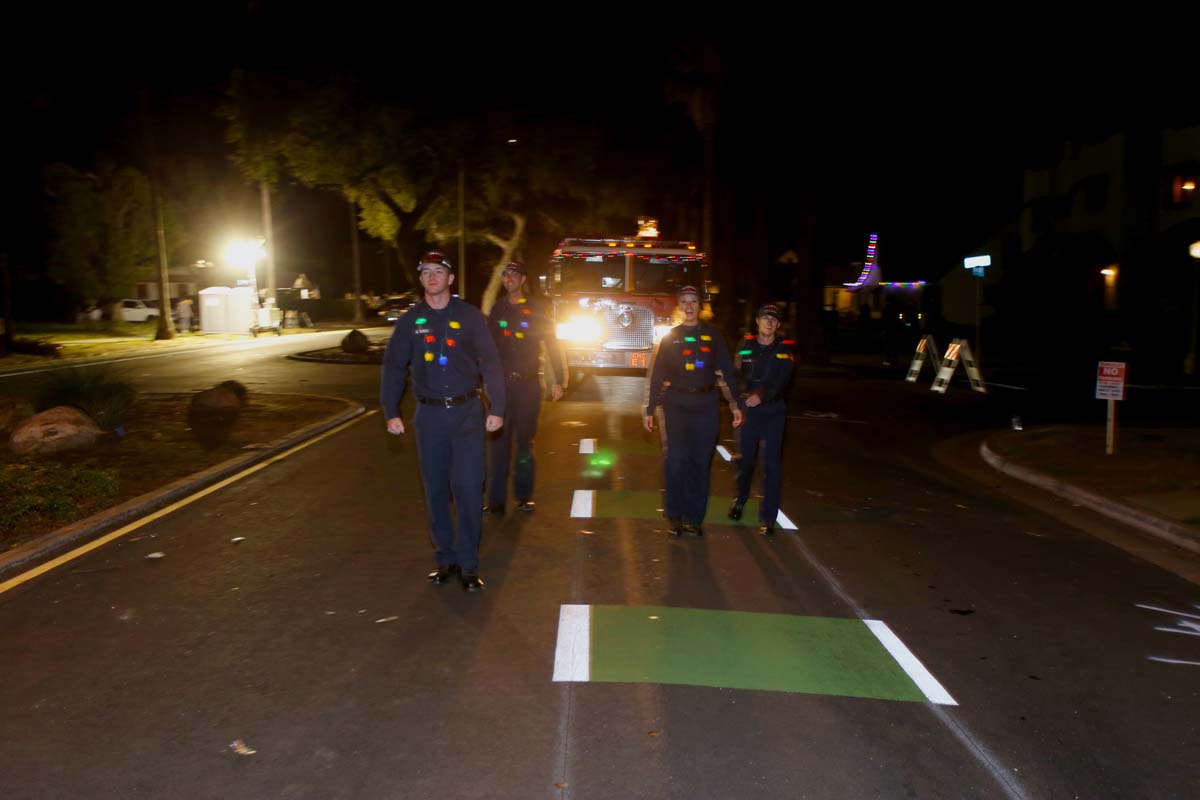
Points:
x=54, y=431
x=12, y=411
x=213, y=411
x=356, y=342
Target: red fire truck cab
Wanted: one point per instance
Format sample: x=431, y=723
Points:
x=614, y=298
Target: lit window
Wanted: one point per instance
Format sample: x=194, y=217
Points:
x=1183, y=189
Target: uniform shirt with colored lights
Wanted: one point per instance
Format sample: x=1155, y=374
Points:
x=764, y=369
x=520, y=329
x=688, y=357
x=448, y=350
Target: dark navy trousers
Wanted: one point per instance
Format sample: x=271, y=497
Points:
x=450, y=448
x=692, y=423
x=763, y=424
x=523, y=404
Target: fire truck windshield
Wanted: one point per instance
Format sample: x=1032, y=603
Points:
x=592, y=274
x=655, y=275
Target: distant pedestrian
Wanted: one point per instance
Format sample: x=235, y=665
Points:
x=183, y=310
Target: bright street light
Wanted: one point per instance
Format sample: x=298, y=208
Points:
x=243, y=254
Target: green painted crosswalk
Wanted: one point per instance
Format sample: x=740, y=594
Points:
x=740, y=650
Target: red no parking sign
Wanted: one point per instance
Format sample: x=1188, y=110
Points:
x=1110, y=380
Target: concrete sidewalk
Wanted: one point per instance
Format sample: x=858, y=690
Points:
x=1151, y=482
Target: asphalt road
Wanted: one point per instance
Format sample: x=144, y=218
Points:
x=724, y=667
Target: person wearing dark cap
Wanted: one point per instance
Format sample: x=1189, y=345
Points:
x=445, y=343
x=683, y=381
x=520, y=326
x=765, y=364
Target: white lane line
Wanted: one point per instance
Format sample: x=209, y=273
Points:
x=583, y=503
x=1176, y=630
x=1163, y=660
x=572, y=655
x=724, y=453
x=972, y=746
x=587, y=446
x=785, y=522
x=1167, y=611
x=915, y=669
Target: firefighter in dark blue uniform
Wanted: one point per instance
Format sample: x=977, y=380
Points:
x=446, y=343
x=683, y=379
x=519, y=327
x=765, y=365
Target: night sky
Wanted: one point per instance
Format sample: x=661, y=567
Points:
x=918, y=143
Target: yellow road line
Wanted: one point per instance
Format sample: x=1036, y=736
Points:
x=41, y=569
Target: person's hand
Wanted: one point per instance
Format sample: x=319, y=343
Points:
x=753, y=400
x=395, y=426
x=737, y=417
x=556, y=392
x=648, y=423
x=493, y=423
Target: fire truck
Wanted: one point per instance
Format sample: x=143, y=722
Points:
x=614, y=298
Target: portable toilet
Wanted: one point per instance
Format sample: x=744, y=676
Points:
x=243, y=309
x=228, y=310
x=214, y=309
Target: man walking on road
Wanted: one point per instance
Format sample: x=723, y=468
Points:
x=682, y=378
x=765, y=365
x=520, y=328
x=446, y=344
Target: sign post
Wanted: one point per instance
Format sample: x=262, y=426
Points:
x=1110, y=386
x=978, y=266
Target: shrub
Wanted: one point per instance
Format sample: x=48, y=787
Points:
x=97, y=390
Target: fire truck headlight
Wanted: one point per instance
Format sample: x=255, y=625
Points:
x=660, y=331
x=580, y=329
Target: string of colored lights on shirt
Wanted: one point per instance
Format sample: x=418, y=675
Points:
x=748, y=344
x=523, y=323
x=442, y=358
x=689, y=353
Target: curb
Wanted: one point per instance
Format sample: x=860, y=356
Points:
x=1165, y=529
x=112, y=518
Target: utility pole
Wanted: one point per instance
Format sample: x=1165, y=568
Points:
x=166, y=327
x=269, y=235
x=358, y=313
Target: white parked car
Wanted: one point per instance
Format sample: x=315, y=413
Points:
x=137, y=311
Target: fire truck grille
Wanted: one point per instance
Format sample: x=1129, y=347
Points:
x=628, y=328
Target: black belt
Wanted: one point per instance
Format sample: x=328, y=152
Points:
x=517, y=376
x=690, y=390
x=448, y=402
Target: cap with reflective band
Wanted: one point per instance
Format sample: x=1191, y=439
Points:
x=434, y=259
